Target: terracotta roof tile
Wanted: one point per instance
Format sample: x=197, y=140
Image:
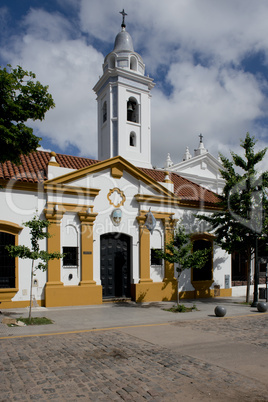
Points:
x=33, y=169
x=183, y=188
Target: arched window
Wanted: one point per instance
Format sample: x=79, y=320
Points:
x=9, y=233
x=133, y=63
x=7, y=263
x=104, y=112
x=132, y=110
x=132, y=139
x=111, y=61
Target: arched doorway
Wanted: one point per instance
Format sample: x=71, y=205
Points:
x=202, y=279
x=205, y=273
x=115, y=265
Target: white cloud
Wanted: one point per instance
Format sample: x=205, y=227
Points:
x=218, y=103
x=224, y=30
x=200, y=44
x=101, y=18
x=43, y=25
x=70, y=68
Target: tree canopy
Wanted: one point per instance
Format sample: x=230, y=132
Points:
x=180, y=250
x=22, y=98
x=242, y=214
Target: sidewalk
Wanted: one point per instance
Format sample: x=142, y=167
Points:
x=112, y=315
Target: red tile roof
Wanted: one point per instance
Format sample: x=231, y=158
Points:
x=184, y=188
x=33, y=169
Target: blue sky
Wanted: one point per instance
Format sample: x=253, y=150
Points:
x=208, y=59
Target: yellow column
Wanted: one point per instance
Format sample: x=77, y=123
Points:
x=169, y=225
x=87, y=223
x=54, y=245
x=144, y=257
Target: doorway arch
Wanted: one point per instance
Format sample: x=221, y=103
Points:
x=115, y=265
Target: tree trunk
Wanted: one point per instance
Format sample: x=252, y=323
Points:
x=248, y=275
x=31, y=292
x=178, y=289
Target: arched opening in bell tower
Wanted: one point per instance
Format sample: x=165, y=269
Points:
x=104, y=112
x=112, y=61
x=132, y=110
x=133, y=63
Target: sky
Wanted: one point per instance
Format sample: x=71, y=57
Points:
x=208, y=59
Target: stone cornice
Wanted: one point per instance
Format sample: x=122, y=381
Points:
x=71, y=190
x=120, y=72
x=160, y=200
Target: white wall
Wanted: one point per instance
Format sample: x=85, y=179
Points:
x=20, y=207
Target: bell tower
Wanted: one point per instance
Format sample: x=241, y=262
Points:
x=124, y=97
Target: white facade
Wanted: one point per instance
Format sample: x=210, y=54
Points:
x=98, y=190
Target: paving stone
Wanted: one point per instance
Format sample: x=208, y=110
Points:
x=113, y=366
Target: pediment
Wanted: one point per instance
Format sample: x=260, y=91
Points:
x=205, y=163
x=116, y=167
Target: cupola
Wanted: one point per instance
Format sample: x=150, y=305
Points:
x=123, y=54
x=123, y=42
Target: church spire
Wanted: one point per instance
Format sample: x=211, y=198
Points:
x=123, y=25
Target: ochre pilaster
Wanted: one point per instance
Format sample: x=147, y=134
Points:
x=54, y=245
x=169, y=225
x=144, y=256
x=87, y=223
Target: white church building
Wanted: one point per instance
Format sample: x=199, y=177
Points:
x=97, y=209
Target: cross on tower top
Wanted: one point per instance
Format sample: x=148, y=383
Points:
x=201, y=137
x=123, y=25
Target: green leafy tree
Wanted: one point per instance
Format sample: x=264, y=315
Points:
x=242, y=217
x=22, y=98
x=179, y=250
x=38, y=231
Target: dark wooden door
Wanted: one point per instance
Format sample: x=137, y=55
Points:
x=115, y=265
x=205, y=273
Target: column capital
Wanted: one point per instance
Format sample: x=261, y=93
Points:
x=87, y=218
x=53, y=216
x=141, y=219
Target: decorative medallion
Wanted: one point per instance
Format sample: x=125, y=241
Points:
x=150, y=221
x=116, y=197
x=116, y=216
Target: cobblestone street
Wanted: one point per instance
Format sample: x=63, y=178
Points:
x=110, y=365
x=252, y=330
